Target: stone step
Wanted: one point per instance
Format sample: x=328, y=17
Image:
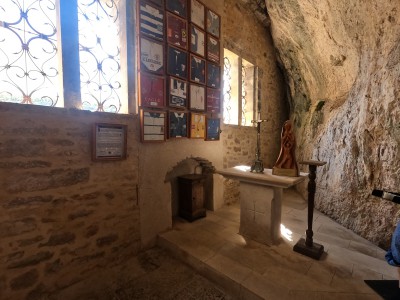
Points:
x=215, y=267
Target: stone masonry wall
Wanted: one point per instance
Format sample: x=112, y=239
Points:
x=63, y=216
x=249, y=37
x=65, y=219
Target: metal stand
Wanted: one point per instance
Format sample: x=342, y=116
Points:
x=307, y=246
x=258, y=166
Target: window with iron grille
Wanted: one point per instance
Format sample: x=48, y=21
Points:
x=63, y=53
x=239, y=90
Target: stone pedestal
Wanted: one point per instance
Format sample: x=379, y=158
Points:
x=260, y=212
x=260, y=202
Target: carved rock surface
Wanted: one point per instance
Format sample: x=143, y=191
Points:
x=342, y=65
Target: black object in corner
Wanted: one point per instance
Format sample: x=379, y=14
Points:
x=389, y=196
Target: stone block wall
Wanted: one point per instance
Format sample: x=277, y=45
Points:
x=251, y=39
x=62, y=216
x=65, y=219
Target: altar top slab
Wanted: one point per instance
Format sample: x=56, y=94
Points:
x=242, y=173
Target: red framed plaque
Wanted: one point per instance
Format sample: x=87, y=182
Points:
x=213, y=100
x=177, y=31
x=152, y=90
x=213, y=49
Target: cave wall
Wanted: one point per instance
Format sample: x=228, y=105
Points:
x=342, y=68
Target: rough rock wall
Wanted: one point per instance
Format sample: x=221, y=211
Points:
x=342, y=62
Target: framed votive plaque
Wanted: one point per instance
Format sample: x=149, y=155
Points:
x=177, y=31
x=197, y=11
x=109, y=142
x=197, y=97
x=178, y=124
x=152, y=90
x=197, y=69
x=153, y=125
x=213, y=49
x=160, y=3
x=212, y=129
x=197, y=40
x=197, y=126
x=213, y=75
x=213, y=100
x=151, y=56
x=213, y=23
x=151, y=20
x=178, y=7
x=177, y=62
x=178, y=91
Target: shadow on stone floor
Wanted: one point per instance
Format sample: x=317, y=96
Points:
x=166, y=278
x=153, y=274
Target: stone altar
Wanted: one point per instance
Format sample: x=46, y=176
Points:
x=260, y=202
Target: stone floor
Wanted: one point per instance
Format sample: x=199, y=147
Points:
x=153, y=274
x=248, y=270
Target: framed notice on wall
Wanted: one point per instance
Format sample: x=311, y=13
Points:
x=153, y=125
x=109, y=141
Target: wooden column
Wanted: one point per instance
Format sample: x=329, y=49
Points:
x=307, y=246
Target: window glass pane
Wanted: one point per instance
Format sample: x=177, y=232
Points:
x=28, y=52
x=99, y=55
x=231, y=88
x=247, y=93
